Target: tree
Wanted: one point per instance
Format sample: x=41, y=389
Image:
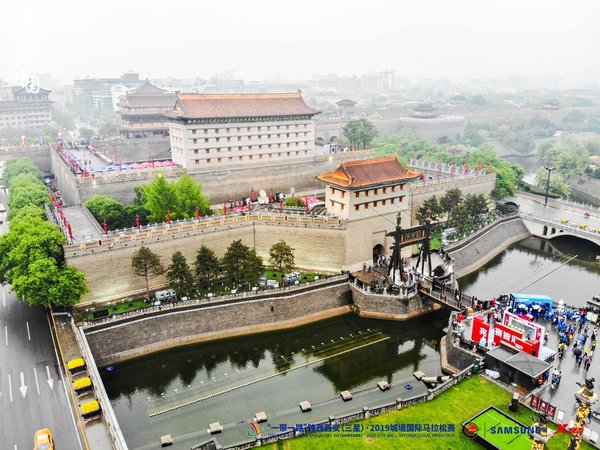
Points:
x=207, y=267
x=281, y=256
x=29, y=211
x=86, y=133
x=461, y=219
x=145, y=263
x=31, y=260
x=557, y=183
x=17, y=166
x=108, y=129
x=189, y=196
x=294, y=202
x=359, y=133
x=451, y=199
x=25, y=190
x=429, y=210
x=159, y=198
x=477, y=208
x=179, y=275
x=241, y=264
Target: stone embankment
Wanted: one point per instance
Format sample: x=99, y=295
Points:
x=481, y=247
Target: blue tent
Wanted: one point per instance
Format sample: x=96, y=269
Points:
x=529, y=300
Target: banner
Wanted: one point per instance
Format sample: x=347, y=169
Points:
x=480, y=330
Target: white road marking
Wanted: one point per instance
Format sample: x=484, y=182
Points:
x=10, y=387
x=28, y=333
x=4, y=297
x=6, y=333
x=36, y=381
x=50, y=380
x=23, y=388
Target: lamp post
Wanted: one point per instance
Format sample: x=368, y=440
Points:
x=550, y=170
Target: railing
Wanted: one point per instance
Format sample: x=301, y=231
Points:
x=594, y=233
x=364, y=413
x=121, y=238
x=583, y=206
x=211, y=301
x=477, y=234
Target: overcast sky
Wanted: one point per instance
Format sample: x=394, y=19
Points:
x=261, y=39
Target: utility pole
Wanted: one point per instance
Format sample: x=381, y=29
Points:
x=550, y=170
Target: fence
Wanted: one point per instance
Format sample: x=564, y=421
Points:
x=364, y=413
x=204, y=302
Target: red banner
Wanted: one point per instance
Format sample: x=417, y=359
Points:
x=503, y=333
x=480, y=329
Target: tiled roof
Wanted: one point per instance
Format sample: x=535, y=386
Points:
x=146, y=88
x=200, y=106
x=369, y=172
x=164, y=100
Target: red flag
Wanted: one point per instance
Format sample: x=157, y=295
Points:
x=249, y=206
x=64, y=220
x=306, y=201
x=169, y=217
x=254, y=196
x=224, y=209
x=137, y=221
x=281, y=207
x=70, y=231
x=105, y=228
x=197, y=212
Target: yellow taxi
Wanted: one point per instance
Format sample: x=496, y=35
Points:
x=563, y=220
x=583, y=225
x=43, y=440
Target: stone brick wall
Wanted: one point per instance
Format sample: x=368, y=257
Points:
x=482, y=247
x=208, y=322
x=108, y=270
x=388, y=307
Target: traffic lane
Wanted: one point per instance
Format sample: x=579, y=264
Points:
x=556, y=213
x=36, y=394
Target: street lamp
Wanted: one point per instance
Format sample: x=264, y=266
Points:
x=550, y=170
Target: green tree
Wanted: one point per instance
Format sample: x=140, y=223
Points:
x=109, y=209
x=18, y=166
x=29, y=211
x=294, y=202
x=461, y=220
x=429, y=210
x=25, y=190
x=145, y=263
x=360, y=133
x=557, y=183
x=281, y=256
x=159, y=198
x=452, y=198
x=207, y=267
x=86, y=133
x=241, y=264
x=189, y=196
x=477, y=208
x=31, y=261
x=179, y=275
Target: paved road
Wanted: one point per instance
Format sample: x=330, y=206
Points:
x=32, y=391
x=557, y=211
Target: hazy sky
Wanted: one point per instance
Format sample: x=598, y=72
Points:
x=264, y=38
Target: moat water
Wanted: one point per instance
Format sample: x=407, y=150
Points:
x=317, y=361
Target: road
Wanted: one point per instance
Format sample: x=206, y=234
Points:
x=557, y=211
x=32, y=391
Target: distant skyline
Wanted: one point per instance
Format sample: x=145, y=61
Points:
x=453, y=39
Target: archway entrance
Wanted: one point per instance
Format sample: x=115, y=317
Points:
x=378, y=253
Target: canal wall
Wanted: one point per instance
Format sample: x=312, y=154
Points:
x=481, y=247
x=114, y=341
x=386, y=307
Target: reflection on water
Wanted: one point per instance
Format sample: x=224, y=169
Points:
x=326, y=357
x=536, y=266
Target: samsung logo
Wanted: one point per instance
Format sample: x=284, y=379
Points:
x=514, y=430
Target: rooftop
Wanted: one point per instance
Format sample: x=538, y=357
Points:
x=521, y=361
x=369, y=172
x=201, y=106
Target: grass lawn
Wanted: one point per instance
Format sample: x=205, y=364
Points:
x=120, y=308
x=454, y=406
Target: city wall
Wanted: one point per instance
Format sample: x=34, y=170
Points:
x=319, y=243
x=39, y=155
x=479, y=248
x=114, y=342
x=220, y=184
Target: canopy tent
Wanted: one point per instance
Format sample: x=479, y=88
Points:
x=540, y=303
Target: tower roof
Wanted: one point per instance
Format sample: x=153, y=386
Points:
x=200, y=106
x=147, y=88
x=369, y=172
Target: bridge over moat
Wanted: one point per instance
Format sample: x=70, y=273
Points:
x=548, y=228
